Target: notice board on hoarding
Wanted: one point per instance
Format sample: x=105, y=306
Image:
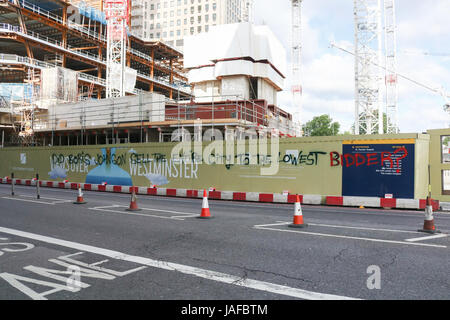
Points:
x=376, y=169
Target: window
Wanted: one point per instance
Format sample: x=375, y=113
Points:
x=206, y=28
x=178, y=32
x=179, y=22
x=206, y=18
x=214, y=6
x=445, y=149
x=171, y=34
x=192, y=30
x=199, y=29
x=214, y=17
x=152, y=7
x=446, y=182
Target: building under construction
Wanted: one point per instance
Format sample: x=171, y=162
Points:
x=53, y=83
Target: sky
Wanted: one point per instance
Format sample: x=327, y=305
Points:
x=423, y=54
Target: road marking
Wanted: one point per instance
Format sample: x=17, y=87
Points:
x=183, y=214
x=26, y=200
x=437, y=236
x=193, y=271
x=353, y=238
x=134, y=213
x=272, y=224
x=46, y=198
x=187, y=216
x=55, y=201
x=357, y=228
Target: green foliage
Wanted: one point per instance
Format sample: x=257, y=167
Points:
x=321, y=126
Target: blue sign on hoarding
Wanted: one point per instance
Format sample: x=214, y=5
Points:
x=374, y=170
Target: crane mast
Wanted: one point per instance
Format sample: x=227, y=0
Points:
x=116, y=12
x=368, y=95
x=391, y=66
x=296, y=56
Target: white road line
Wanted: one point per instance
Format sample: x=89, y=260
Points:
x=46, y=198
x=105, y=207
x=194, y=271
x=25, y=200
x=169, y=211
x=357, y=228
x=353, y=238
x=187, y=216
x=272, y=224
x=134, y=213
x=442, y=235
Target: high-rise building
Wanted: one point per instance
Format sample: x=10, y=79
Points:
x=172, y=20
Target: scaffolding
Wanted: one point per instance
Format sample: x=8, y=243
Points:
x=154, y=118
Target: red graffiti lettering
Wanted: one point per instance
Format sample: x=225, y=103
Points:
x=359, y=156
x=334, y=159
x=372, y=159
x=347, y=162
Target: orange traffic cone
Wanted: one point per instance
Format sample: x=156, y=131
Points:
x=205, y=214
x=298, y=216
x=428, y=225
x=133, y=203
x=80, y=199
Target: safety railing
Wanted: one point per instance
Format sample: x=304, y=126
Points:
x=76, y=116
x=12, y=58
x=88, y=32
x=4, y=27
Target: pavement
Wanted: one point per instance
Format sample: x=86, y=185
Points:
x=53, y=249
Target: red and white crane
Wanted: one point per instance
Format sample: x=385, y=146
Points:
x=117, y=15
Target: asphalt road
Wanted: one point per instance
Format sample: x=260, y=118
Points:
x=246, y=251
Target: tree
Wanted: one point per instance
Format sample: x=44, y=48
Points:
x=321, y=126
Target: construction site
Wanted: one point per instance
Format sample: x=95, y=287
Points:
x=72, y=74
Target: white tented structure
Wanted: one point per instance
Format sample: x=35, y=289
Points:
x=235, y=60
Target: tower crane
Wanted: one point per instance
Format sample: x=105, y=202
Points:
x=296, y=45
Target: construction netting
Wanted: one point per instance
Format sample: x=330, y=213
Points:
x=58, y=85
x=92, y=13
x=16, y=92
